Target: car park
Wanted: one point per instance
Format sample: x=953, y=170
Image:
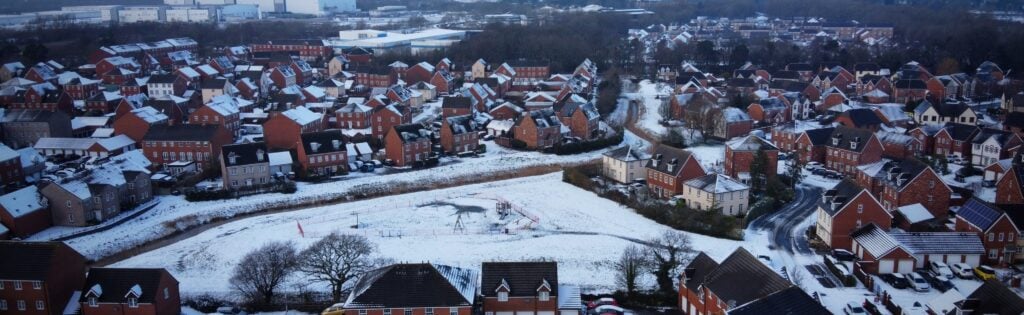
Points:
x=962, y=271
x=918, y=282
x=938, y=282
x=844, y=255
x=854, y=308
x=984, y=273
x=896, y=280
x=940, y=269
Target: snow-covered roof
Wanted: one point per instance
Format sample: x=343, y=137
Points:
x=716, y=183
x=876, y=241
x=280, y=158
x=501, y=125
x=89, y=121
x=750, y=143
x=6, y=153
x=102, y=133
x=116, y=142
x=301, y=115
x=733, y=114
x=23, y=201
x=569, y=297
x=150, y=114
x=64, y=143
x=29, y=157
x=106, y=174
x=873, y=169
x=363, y=147
x=915, y=213
x=134, y=160
x=78, y=188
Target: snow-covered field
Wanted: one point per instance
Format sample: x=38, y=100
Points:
x=581, y=231
x=651, y=95
x=174, y=213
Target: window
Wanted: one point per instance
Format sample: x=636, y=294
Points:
x=39, y=305
x=860, y=223
x=1, y=285
x=3, y=305
x=38, y=285
x=362, y=312
x=133, y=302
x=993, y=253
x=17, y=285
x=387, y=311
x=167, y=294
x=502, y=296
x=408, y=311
x=991, y=237
x=453, y=311
x=1001, y=235
x=545, y=295
x=93, y=302
x=430, y=311
x=860, y=208
x=21, y=305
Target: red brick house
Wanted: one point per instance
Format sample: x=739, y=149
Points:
x=43, y=96
x=136, y=123
x=906, y=182
x=130, y=291
x=283, y=76
x=848, y=148
x=899, y=146
x=443, y=81
x=322, y=153
x=668, y=168
x=879, y=253
x=41, y=280
x=771, y=111
x=519, y=287
x=353, y=116
x=408, y=144
x=459, y=135
x=24, y=212
x=741, y=152
x=282, y=131
x=844, y=209
x=307, y=49
x=996, y=225
x=954, y=139
x=709, y=287
x=1010, y=188
x=909, y=90
x=104, y=102
x=456, y=106
x=80, y=88
x=581, y=118
x=506, y=111
x=926, y=135
x=862, y=118
x=165, y=144
x=538, y=129
x=222, y=112
x=420, y=72
x=382, y=118
x=399, y=289
x=10, y=166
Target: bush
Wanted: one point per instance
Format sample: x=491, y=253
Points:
x=763, y=206
x=580, y=176
x=205, y=195
x=482, y=148
x=580, y=147
x=517, y=144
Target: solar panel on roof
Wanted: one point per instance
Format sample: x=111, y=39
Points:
x=978, y=214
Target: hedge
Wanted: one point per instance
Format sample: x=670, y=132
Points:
x=580, y=147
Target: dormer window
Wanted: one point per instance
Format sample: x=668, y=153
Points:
x=93, y=302
x=502, y=296
x=543, y=295
x=133, y=302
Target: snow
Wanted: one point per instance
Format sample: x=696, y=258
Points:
x=21, y=202
x=915, y=213
x=651, y=95
x=301, y=115
x=6, y=153
x=709, y=156
x=280, y=158
x=116, y=142
x=150, y=114
x=560, y=222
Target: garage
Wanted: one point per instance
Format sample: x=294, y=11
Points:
x=524, y=312
x=973, y=260
x=885, y=266
x=905, y=266
x=546, y=313
x=504, y=313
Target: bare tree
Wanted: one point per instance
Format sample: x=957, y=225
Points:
x=337, y=258
x=263, y=270
x=629, y=266
x=667, y=253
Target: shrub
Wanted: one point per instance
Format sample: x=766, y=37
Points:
x=580, y=147
x=517, y=144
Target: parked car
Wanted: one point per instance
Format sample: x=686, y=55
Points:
x=336, y=309
x=854, y=308
x=940, y=269
x=844, y=255
x=938, y=282
x=917, y=282
x=962, y=271
x=984, y=273
x=897, y=281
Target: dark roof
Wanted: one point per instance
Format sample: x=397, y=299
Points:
x=906, y=170
x=742, y=278
x=244, y=154
x=866, y=66
x=412, y=132
x=785, y=75
x=410, y=285
x=910, y=84
x=741, y=82
x=698, y=269
x=31, y=260
x=115, y=283
x=839, y=195
x=181, y=133
x=163, y=78
x=461, y=124
x=745, y=73
x=819, y=136
x=522, y=278
x=791, y=301
x=1014, y=119
x=788, y=86
x=1015, y=212
x=664, y=156
x=326, y=141
x=961, y=132
x=847, y=135
x=799, y=67
x=992, y=297
x=212, y=84
x=456, y=102
x=862, y=117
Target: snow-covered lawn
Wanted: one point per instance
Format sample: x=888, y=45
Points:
x=581, y=231
x=651, y=95
x=174, y=213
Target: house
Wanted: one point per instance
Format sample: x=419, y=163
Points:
x=862, y=118
x=11, y=70
x=402, y=288
x=10, y=166
x=93, y=147
x=130, y=290
x=456, y=106
x=280, y=163
x=136, y=123
x=334, y=88
x=954, y=139
x=998, y=229
x=214, y=87
x=39, y=277
x=283, y=76
x=323, y=153
x=770, y=111
x=520, y=287
x=459, y=135
x=911, y=90
x=104, y=102
x=928, y=114
x=165, y=144
x=716, y=192
x=245, y=165
x=879, y=253
x=946, y=247
x=581, y=118
x=742, y=152
x=848, y=148
x=283, y=129
x=730, y=122
x=898, y=145
x=383, y=118
x=24, y=212
x=709, y=287
x=906, y=182
x=166, y=84
x=787, y=301
x=505, y=111
x=992, y=297
x=353, y=116
x=408, y=144
x=222, y=111
x=669, y=168
x=23, y=127
x=537, y=130
x=624, y=164
x=1010, y=188
x=844, y=209
x=991, y=145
